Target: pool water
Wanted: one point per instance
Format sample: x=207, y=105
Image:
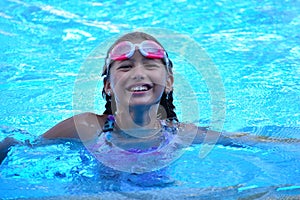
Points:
x=255, y=47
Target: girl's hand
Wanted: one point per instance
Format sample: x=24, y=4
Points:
x=8, y=142
x=5, y=145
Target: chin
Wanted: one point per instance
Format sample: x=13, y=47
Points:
x=142, y=104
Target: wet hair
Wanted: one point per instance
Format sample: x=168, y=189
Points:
x=166, y=108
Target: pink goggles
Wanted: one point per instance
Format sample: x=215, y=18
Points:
x=125, y=50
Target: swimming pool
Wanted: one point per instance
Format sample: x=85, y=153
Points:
x=254, y=45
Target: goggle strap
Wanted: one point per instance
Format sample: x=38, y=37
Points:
x=166, y=58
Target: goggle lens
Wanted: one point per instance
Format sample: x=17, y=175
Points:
x=151, y=50
x=122, y=51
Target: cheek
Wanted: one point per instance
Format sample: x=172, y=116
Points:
x=115, y=80
x=163, y=78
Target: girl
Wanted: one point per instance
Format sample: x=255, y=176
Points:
x=139, y=123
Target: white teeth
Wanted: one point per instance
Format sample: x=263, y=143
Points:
x=139, y=88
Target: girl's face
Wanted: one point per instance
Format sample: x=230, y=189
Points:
x=138, y=81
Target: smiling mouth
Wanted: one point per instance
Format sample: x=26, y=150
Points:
x=140, y=88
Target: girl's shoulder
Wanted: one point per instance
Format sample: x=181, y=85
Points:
x=91, y=118
x=191, y=133
x=183, y=126
x=88, y=124
x=83, y=126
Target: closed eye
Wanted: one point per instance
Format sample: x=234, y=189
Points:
x=124, y=67
x=152, y=66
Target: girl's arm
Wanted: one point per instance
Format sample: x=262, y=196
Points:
x=83, y=126
x=236, y=139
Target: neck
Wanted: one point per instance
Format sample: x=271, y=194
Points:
x=137, y=118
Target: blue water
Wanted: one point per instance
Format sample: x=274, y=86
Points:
x=255, y=46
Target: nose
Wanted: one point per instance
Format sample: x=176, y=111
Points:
x=138, y=72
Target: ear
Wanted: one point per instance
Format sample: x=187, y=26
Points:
x=169, y=84
x=107, y=87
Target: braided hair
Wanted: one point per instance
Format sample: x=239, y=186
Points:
x=166, y=108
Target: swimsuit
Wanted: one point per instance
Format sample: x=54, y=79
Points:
x=135, y=160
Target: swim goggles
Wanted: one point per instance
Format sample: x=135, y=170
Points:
x=125, y=50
